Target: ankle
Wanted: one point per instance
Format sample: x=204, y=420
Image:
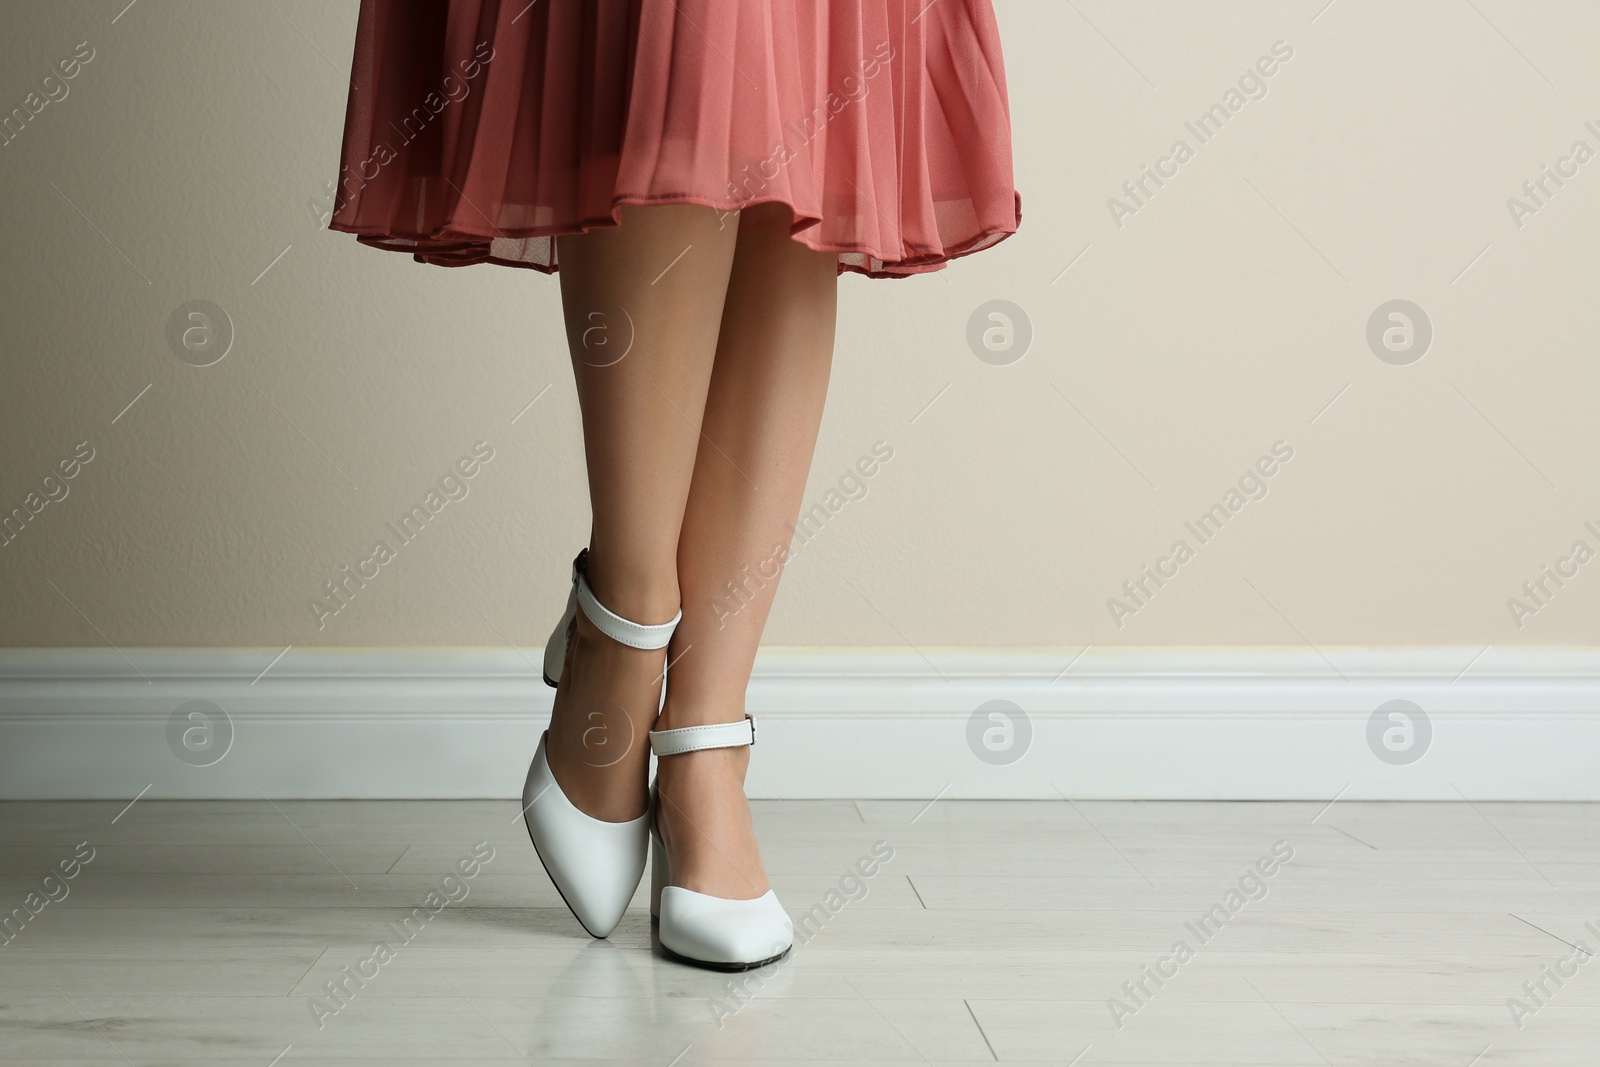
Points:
x=601, y=736
x=647, y=595
x=676, y=714
x=608, y=655
x=687, y=765
x=607, y=701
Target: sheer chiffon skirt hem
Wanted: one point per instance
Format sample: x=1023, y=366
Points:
x=464, y=245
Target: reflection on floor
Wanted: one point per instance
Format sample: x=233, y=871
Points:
x=1030, y=932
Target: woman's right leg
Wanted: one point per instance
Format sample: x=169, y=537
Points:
x=652, y=288
x=774, y=354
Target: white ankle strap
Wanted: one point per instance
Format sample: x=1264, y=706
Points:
x=695, y=738
x=614, y=626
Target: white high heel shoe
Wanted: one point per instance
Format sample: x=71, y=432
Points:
x=714, y=932
x=595, y=865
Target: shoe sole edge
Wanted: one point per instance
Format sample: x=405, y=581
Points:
x=715, y=965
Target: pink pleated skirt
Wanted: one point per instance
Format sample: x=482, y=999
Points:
x=478, y=131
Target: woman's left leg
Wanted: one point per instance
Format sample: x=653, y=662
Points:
x=768, y=383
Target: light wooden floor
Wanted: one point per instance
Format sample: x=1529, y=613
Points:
x=998, y=931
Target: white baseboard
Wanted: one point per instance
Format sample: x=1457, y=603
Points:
x=1159, y=723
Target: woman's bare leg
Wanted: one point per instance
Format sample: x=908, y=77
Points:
x=761, y=418
x=652, y=288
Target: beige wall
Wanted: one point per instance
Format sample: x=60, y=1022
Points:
x=1219, y=318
